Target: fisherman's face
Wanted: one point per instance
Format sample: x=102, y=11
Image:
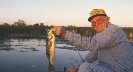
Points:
x=99, y=23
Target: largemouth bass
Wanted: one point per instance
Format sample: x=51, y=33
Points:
x=50, y=49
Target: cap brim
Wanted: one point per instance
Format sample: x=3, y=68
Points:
x=90, y=18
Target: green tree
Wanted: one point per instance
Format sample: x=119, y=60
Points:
x=36, y=25
x=20, y=23
x=5, y=24
x=41, y=25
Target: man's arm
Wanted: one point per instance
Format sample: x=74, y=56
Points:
x=107, y=38
x=101, y=40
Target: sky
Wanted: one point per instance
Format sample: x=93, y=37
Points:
x=65, y=12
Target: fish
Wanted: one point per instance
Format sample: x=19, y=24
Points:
x=50, y=48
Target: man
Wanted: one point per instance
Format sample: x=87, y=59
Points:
x=110, y=49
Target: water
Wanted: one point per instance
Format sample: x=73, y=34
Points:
x=29, y=55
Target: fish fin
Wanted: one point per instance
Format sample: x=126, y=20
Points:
x=54, y=58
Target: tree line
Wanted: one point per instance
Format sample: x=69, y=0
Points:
x=39, y=29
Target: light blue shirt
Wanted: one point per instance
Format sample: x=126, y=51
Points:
x=110, y=47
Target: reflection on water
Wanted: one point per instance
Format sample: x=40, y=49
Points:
x=29, y=55
x=6, y=49
x=26, y=49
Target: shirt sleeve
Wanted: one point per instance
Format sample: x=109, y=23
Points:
x=90, y=57
x=101, y=40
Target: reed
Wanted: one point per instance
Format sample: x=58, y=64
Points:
x=41, y=31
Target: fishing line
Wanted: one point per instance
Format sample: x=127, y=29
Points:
x=80, y=56
x=79, y=53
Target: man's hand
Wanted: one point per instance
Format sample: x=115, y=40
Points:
x=73, y=69
x=58, y=30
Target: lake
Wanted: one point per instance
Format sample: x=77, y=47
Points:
x=29, y=55
x=20, y=54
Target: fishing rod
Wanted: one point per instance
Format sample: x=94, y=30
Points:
x=80, y=57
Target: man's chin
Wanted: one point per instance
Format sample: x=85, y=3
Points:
x=98, y=30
